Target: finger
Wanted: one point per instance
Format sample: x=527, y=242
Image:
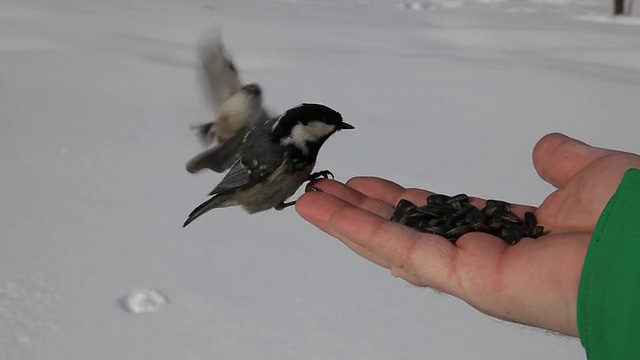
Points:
x=317, y=208
x=381, y=207
x=389, y=243
x=371, y=256
x=391, y=193
x=364, y=252
x=408, y=277
x=387, y=191
x=558, y=158
x=354, y=197
x=430, y=258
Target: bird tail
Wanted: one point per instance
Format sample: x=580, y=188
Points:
x=219, y=200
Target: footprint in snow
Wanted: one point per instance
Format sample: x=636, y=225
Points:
x=143, y=301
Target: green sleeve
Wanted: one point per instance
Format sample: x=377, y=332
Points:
x=609, y=294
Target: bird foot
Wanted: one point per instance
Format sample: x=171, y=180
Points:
x=324, y=174
x=311, y=188
x=283, y=205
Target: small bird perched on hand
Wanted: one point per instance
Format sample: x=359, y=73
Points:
x=274, y=159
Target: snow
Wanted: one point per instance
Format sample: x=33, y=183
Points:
x=96, y=99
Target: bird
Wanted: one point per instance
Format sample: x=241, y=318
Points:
x=235, y=115
x=275, y=158
x=236, y=106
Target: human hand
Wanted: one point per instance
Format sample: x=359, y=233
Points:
x=534, y=282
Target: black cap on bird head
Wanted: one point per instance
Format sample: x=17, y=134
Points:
x=308, y=122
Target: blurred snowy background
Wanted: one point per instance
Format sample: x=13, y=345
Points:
x=96, y=99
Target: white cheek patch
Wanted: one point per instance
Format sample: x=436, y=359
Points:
x=302, y=134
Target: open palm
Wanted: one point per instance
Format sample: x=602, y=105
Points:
x=534, y=282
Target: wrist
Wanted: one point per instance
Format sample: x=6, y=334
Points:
x=607, y=317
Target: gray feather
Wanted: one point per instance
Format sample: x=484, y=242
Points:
x=236, y=177
x=218, y=158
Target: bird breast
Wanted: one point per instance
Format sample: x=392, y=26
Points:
x=277, y=188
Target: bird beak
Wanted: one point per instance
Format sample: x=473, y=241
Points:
x=345, y=126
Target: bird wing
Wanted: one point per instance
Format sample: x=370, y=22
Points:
x=218, y=158
x=259, y=160
x=221, y=157
x=218, y=74
x=237, y=177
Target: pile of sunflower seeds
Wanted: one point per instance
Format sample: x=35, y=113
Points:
x=454, y=216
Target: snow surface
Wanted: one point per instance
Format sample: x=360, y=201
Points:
x=96, y=99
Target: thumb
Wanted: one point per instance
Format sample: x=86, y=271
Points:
x=558, y=158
